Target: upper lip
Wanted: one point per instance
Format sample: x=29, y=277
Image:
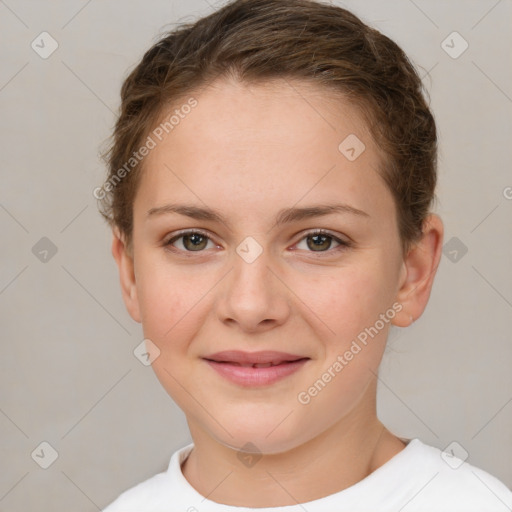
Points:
x=262, y=357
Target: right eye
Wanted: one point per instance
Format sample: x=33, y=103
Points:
x=190, y=241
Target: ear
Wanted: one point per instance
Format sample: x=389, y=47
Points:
x=124, y=260
x=418, y=271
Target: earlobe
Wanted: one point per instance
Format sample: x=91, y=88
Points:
x=124, y=260
x=418, y=272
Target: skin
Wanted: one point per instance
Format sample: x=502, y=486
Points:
x=249, y=151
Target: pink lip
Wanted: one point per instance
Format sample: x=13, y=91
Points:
x=228, y=365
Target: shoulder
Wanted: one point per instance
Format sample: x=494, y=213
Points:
x=140, y=496
x=153, y=493
x=442, y=478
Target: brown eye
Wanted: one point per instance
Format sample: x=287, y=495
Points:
x=319, y=242
x=190, y=241
x=195, y=242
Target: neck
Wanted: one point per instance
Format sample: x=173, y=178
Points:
x=336, y=459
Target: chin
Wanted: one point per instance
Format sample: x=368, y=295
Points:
x=255, y=435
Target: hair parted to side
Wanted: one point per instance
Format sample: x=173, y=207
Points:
x=258, y=40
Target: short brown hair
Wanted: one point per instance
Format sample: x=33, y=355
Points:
x=258, y=40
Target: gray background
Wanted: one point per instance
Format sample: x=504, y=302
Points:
x=68, y=374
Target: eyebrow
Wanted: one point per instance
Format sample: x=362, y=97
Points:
x=284, y=216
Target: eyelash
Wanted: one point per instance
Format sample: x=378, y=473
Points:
x=342, y=244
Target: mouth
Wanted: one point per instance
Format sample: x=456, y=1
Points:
x=251, y=369
x=255, y=365
x=261, y=359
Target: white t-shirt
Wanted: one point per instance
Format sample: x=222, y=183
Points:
x=417, y=479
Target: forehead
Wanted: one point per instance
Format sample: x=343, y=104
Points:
x=268, y=142
x=276, y=112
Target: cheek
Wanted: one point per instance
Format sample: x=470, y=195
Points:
x=347, y=300
x=350, y=305
x=170, y=308
x=166, y=301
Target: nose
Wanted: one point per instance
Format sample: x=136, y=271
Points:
x=253, y=297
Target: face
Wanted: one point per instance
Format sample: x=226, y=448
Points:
x=234, y=249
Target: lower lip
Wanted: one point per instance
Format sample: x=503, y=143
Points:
x=251, y=377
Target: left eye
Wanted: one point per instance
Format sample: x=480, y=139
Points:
x=320, y=241
x=191, y=241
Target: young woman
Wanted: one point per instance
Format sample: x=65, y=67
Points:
x=271, y=178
